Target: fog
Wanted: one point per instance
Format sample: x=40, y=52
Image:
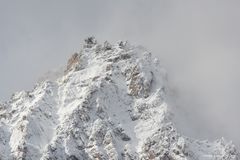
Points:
x=196, y=41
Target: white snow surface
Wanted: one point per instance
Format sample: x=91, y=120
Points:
x=112, y=103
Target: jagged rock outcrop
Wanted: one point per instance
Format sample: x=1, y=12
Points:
x=73, y=62
x=110, y=104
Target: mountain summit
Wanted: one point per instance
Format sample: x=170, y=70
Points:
x=111, y=103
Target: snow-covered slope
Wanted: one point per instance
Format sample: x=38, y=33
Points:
x=112, y=103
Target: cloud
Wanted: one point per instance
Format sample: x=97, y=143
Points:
x=197, y=41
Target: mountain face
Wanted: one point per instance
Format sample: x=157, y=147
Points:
x=111, y=103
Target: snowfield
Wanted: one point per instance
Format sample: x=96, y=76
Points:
x=111, y=103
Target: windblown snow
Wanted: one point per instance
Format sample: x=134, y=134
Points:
x=111, y=103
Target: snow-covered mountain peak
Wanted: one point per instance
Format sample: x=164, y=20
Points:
x=111, y=103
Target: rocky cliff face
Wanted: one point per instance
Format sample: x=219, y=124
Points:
x=110, y=104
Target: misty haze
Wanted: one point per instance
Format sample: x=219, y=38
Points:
x=78, y=52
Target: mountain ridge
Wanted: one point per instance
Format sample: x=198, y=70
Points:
x=111, y=103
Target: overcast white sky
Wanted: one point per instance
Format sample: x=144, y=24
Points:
x=197, y=41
